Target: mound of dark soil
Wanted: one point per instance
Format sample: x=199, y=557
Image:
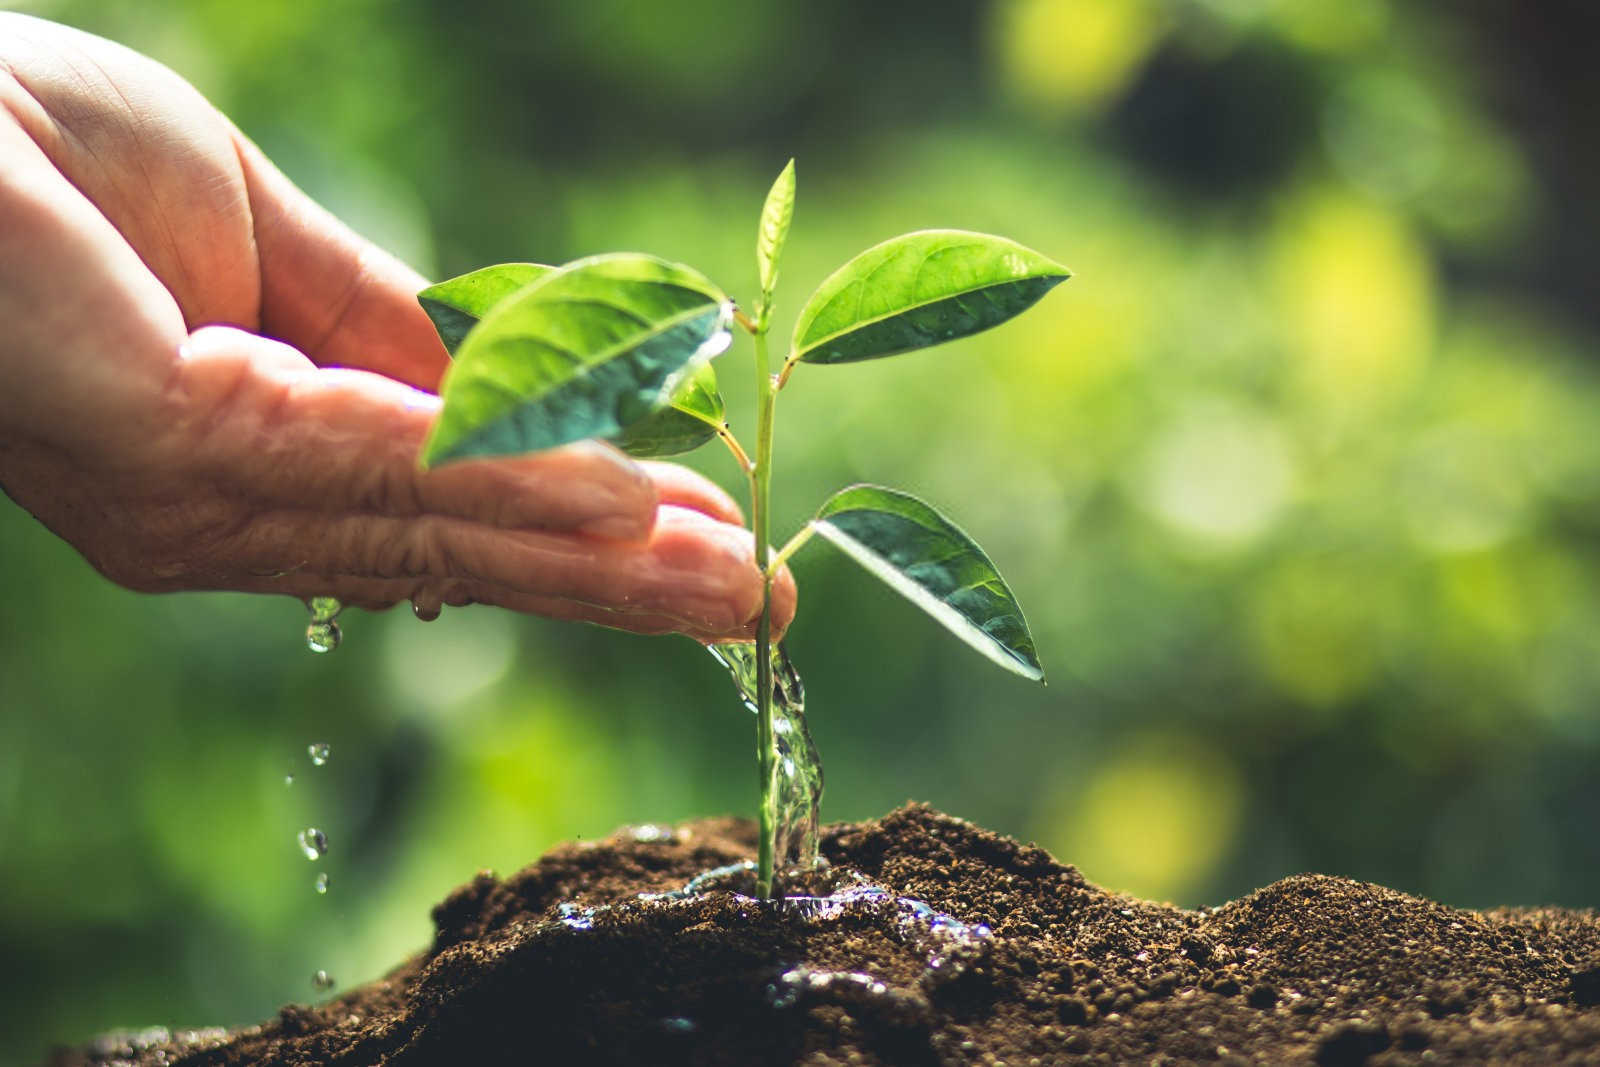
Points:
x=564, y=963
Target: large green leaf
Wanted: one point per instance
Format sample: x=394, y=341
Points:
x=926, y=558
x=690, y=419
x=583, y=352
x=776, y=215
x=456, y=305
x=919, y=290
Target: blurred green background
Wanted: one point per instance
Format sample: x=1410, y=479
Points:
x=1298, y=479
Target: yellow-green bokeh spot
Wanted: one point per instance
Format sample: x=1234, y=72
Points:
x=1075, y=56
x=1155, y=820
x=1356, y=292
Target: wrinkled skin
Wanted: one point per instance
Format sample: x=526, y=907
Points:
x=210, y=383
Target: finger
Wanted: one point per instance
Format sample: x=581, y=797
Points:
x=345, y=441
x=371, y=594
x=332, y=294
x=680, y=486
x=785, y=602
x=693, y=569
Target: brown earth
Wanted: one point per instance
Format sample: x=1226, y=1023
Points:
x=1309, y=969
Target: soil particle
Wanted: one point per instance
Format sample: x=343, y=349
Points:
x=563, y=962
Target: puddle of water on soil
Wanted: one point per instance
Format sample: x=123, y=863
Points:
x=948, y=946
x=799, y=769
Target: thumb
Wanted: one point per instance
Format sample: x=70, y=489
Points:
x=337, y=297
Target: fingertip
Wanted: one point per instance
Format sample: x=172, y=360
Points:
x=682, y=487
x=785, y=601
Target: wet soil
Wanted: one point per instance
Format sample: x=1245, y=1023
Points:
x=563, y=963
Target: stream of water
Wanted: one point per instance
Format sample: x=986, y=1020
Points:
x=795, y=835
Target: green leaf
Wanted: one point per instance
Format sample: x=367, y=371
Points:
x=776, y=215
x=690, y=419
x=920, y=290
x=456, y=305
x=927, y=559
x=583, y=352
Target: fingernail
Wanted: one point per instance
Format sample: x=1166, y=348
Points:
x=615, y=528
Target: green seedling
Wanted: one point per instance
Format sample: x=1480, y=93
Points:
x=620, y=346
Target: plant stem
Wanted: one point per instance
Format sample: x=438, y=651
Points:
x=739, y=455
x=786, y=370
x=790, y=547
x=760, y=519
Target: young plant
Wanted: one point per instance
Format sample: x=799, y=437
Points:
x=619, y=347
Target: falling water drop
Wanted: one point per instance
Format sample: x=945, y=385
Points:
x=288, y=779
x=313, y=842
x=323, y=635
x=319, y=751
x=322, y=883
x=322, y=980
x=425, y=608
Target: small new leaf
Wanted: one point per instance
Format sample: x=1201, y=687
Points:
x=456, y=305
x=776, y=215
x=687, y=421
x=920, y=290
x=584, y=351
x=927, y=559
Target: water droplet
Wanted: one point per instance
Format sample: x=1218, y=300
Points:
x=288, y=779
x=323, y=633
x=313, y=842
x=322, y=883
x=651, y=834
x=322, y=980
x=319, y=751
x=323, y=636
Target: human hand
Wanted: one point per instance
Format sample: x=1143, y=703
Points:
x=149, y=253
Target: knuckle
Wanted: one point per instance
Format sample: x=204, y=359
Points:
x=413, y=550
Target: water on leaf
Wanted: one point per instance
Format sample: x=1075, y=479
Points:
x=795, y=834
x=319, y=751
x=321, y=883
x=313, y=842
